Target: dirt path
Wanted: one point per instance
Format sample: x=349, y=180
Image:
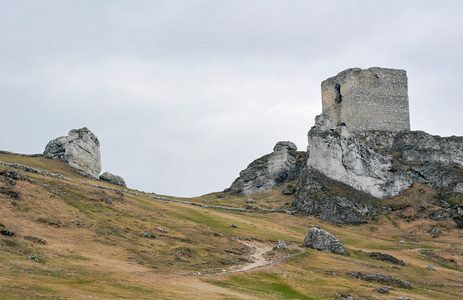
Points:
x=258, y=258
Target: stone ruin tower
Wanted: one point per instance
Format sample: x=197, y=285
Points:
x=370, y=99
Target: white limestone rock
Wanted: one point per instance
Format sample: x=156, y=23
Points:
x=341, y=156
x=321, y=240
x=80, y=148
x=268, y=171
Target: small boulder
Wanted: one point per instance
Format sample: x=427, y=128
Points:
x=113, y=179
x=280, y=245
x=148, y=235
x=36, y=240
x=233, y=226
x=6, y=232
x=436, y=231
x=321, y=240
x=382, y=290
x=386, y=257
x=431, y=268
x=441, y=214
x=35, y=258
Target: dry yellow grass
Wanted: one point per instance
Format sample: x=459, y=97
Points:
x=95, y=249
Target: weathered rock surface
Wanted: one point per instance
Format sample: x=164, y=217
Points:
x=280, y=245
x=271, y=170
x=331, y=200
x=321, y=240
x=346, y=172
x=382, y=279
x=80, y=148
x=441, y=214
x=114, y=179
x=433, y=160
x=341, y=156
x=386, y=257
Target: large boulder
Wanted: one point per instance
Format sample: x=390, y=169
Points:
x=343, y=157
x=321, y=240
x=114, y=179
x=269, y=171
x=80, y=148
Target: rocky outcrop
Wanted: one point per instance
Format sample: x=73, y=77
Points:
x=341, y=156
x=432, y=160
x=382, y=279
x=113, y=179
x=321, y=240
x=271, y=170
x=346, y=172
x=80, y=148
x=386, y=257
x=331, y=200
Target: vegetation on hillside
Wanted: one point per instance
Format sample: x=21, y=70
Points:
x=71, y=240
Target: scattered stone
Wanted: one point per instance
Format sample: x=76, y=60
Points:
x=9, y=192
x=6, y=232
x=402, y=298
x=401, y=242
x=233, y=226
x=113, y=179
x=441, y=214
x=148, y=235
x=11, y=176
x=48, y=222
x=431, y=268
x=381, y=278
x=80, y=148
x=386, y=257
x=321, y=240
x=459, y=221
x=35, y=240
x=289, y=190
x=382, y=290
x=436, y=231
x=161, y=229
x=107, y=201
x=280, y=245
x=220, y=195
x=250, y=201
x=35, y=258
x=347, y=297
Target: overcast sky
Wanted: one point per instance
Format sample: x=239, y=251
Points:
x=184, y=94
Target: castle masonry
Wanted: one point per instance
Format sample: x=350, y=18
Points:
x=370, y=99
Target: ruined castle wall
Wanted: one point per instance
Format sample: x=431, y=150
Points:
x=371, y=99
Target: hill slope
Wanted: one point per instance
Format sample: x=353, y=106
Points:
x=78, y=238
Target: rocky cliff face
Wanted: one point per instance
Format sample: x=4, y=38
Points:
x=345, y=172
x=271, y=170
x=80, y=148
x=341, y=156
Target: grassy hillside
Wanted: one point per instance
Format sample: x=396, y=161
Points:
x=76, y=241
